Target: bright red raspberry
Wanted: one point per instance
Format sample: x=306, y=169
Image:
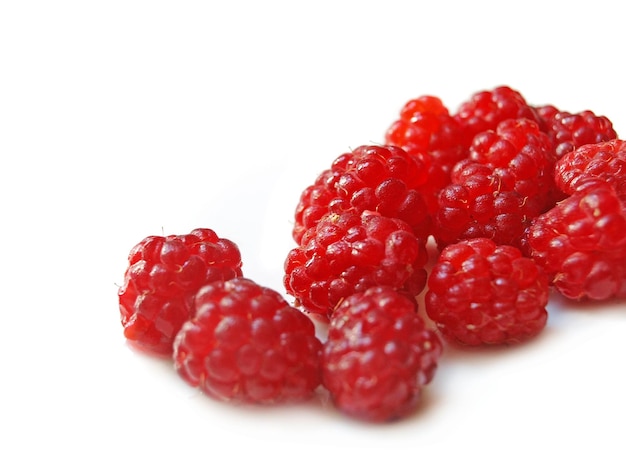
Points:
x=486, y=109
x=244, y=343
x=163, y=274
x=380, y=178
x=506, y=181
x=348, y=253
x=426, y=126
x=601, y=163
x=379, y=355
x=568, y=131
x=581, y=243
x=517, y=150
x=480, y=293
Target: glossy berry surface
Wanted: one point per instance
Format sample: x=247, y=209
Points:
x=480, y=293
x=379, y=355
x=380, y=178
x=581, y=244
x=348, y=253
x=246, y=344
x=163, y=274
x=593, y=164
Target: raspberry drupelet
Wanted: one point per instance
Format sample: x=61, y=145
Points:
x=163, y=274
x=348, y=253
x=379, y=355
x=244, y=343
x=581, y=243
x=480, y=293
x=371, y=177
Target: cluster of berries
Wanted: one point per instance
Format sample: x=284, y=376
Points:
x=516, y=198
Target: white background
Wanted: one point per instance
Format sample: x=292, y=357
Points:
x=122, y=119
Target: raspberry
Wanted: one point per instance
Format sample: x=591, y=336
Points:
x=483, y=293
x=426, y=126
x=379, y=355
x=601, y=163
x=568, y=131
x=380, y=178
x=244, y=343
x=581, y=244
x=505, y=182
x=486, y=109
x=161, y=279
x=348, y=253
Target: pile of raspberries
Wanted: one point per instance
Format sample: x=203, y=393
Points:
x=478, y=213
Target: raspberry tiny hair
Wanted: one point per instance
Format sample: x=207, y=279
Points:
x=581, y=243
x=370, y=177
x=348, y=253
x=480, y=293
x=379, y=355
x=244, y=343
x=163, y=275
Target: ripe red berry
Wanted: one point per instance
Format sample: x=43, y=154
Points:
x=486, y=109
x=379, y=355
x=347, y=253
x=483, y=293
x=581, y=243
x=426, y=126
x=163, y=274
x=506, y=181
x=568, y=131
x=245, y=343
x=380, y=178
x=600, y=163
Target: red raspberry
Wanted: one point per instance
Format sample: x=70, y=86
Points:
x=567, y=131
x=518, y=150
x=426, y=126
x=380, y=178
x=348, y=253
x=581, y=243
x=483, y=293
x=486, y=109
x=245, y=343
x=379, y=355
x=601, y=163
x=162, y=277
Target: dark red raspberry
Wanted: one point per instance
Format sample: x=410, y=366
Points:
x=480, y=293
x=426, y=126
x=246, y=344
x=163, y=274
x=348, y=253
x=601, y=163
x=380, y=178
x=379, y=355
x=581, y=243
x=486, y=109
x=568, y=131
